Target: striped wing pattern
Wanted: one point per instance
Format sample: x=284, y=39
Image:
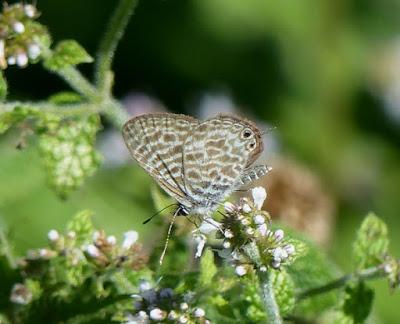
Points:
x=155, y=142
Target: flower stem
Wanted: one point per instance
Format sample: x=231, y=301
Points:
x=112, y=36
x=367, y=274
x=267, y=293
x=268, y=297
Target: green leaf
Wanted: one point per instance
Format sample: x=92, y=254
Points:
x=65, y=98
x=69, y=155
x=67, y=53
x=357, y=303
x=18, y=114
x=284, y=291
x=207, y=269
x=371, y=244
x=82, y=225
x=3, y=87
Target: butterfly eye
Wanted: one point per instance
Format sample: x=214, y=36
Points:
x=247, y=133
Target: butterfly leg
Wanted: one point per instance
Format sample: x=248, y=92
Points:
x=252, y=174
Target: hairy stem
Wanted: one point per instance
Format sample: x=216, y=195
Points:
x=112, y=36
x=268, y=297
x=267, y=293
x=367, y=274
x=79, y=83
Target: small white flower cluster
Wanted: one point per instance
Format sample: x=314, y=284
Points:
x=20, y=294
x=103, y=250
x=173, y=309
x=247, y=222
x=18, y=45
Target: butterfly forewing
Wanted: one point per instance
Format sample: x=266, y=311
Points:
x=156, y=143
x=214, y=156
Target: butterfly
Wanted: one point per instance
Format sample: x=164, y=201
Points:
x=198, y=163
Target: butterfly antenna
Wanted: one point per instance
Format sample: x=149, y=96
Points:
x=168, y=236
x=157, y=213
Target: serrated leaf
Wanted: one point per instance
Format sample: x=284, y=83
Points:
x=207, y=269
x=82, y=225
x=284, y=291
x=357, y=303
x=67, y=53
x=69, y=155
x=3, y=87
x=371, y=244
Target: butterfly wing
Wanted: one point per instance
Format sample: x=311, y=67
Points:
x=215, y=154
x=155, y=142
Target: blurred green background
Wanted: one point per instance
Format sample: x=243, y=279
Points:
x=326, y=74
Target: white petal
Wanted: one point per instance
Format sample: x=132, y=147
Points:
x=130, y=238
x=209, y=225
x=259, y=195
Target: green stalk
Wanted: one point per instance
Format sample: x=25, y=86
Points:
x=267, y=293
x=108, y=45
x=366, y=274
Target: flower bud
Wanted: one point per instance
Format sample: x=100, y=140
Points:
x=130, y=238
x=18, y=27
x=290, y=249
x=184, y=306
x=259, y=195
x=228, y=233
x=157, y=314
x=246, y=208
x=93, y=251
x=279, y=234
x=33, y=51
x=275, y=264
x=226, y=244
x=199, y=312
x=259, y=219
x=30, y=11
x=263, y=229
x=183, y=319
x=53, y=235
x=111, y=240
x=240, y=270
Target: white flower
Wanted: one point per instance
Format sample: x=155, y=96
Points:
x=11, y=60
x=388, y=268
x=240, y=270
x=246, y=208
x=249, y=231
x=201, y=242
x=259, y=195
x=22, y=59
x=275, y=264
x=226, y=244
x=279, y=234
x=157, y=314
x=92, y=250
x=184, y=306
x=30, y=11
x=18, y=27
x=279, y=253
x=209, y=225
x=199, y=312
x=259, y=219
x=290, y=249
x=33, y=51
x=263, y=229
x=183, y=319
x=228, y=233
x=130, y=238
x=263, y=268
x=111, y=240
x=53, y=235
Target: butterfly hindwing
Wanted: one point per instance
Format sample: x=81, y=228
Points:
x=214, y=156
x=156, y=143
